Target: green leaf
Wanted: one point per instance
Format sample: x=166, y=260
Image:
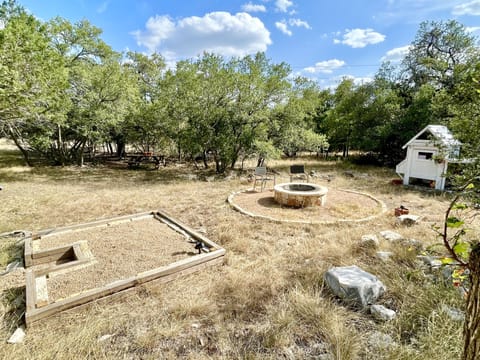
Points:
x=454, y=222
x=462, y=249
x=459, y=206
x=446, y=260
x=470, y=186
x=459, y=274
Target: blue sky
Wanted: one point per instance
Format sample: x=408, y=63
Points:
x=321, y=39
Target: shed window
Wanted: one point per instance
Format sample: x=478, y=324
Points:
x=425, y=155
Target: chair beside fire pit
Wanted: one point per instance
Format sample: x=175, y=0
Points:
x=297, y=172
x=263, y=175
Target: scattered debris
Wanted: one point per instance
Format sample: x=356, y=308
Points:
x=430, y=261
x=379, y=340
x=370, y=240
x=380, y=312
x=384, y=255
x=401, y=210
x=453, y=313
x=18, y=336
x=12, y=266
x=391, y=235
x=408, y=220
x=104, y=337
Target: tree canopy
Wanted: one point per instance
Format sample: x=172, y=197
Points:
x=65, y=93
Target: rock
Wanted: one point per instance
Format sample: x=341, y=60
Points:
x=384, y=255
x=349, y=174
x=417, y=244
x=379, y=340
x=382, y=313
x=354, y=284
x=430, y=261
x=104, y=337
x=408, y=220
x=195, y=326
x=391, y=235
x=17, y=337
x=454, y=314
x=370, y=240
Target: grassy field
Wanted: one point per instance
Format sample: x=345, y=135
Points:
x=267, y=301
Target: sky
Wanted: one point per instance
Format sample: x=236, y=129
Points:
x=324, y=40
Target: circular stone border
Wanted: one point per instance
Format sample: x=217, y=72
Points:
x=327, y=222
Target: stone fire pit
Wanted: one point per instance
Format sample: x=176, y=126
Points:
x=300, y=194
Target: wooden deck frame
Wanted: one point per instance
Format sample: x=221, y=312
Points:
x=37, y=308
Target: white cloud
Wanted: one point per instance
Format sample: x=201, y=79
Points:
x=217, y=32
x=253, y=7
x=103, y=7
x=283, y=27
x=360, y=80
x=299, y=23
x=473, y=29
x=359, y=38
x=283, y=5
x=325, y=67
x=397, y=54
x=470, y=8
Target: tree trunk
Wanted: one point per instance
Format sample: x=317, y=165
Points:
x=204, y=158
x=20, y=147
x=471, y=331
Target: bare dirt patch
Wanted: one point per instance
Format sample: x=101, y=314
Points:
x=340, y=205
x=120, y=250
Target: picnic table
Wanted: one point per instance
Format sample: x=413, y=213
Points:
x=135, y=160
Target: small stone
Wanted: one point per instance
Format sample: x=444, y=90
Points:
x=104, y=337
x=382, y=313
x=384, y=255
x=195, y=326
x=417, y=244
x=349, y=174
x=370, y=240
x=408, y=220
x=430, y=261
x=379, y=340
x=17, y=337
x=454, y=314
x=391, y=235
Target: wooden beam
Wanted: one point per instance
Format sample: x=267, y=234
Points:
x=196, y=235
x=30, y=291
x=112, y=288
x=57, y=251
x=28, y=251
x=41, y=298
x=61, y=267
x=93, y=224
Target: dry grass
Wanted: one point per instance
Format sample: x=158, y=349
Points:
x=267, y=302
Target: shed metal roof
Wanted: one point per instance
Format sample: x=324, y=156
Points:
x=439, y=133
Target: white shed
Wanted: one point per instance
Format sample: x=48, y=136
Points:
x=428, y=154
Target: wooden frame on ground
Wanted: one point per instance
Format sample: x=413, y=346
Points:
x=41, y=263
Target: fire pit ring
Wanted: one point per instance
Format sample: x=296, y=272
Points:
x=300, y=194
